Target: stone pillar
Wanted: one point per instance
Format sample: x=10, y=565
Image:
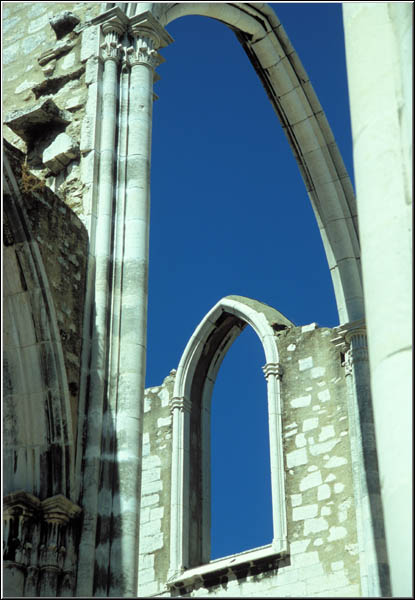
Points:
x=273, y=374
x=132, y=321
x=379, y=57
x=101, y=235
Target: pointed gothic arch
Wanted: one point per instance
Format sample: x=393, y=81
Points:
x=39, y=445
x=195, y=378
x=292, y=96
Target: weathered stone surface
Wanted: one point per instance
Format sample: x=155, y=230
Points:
x=60, y=153
x=63, y=23
x=32, y=122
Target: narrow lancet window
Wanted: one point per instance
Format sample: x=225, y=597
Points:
x=241, y=500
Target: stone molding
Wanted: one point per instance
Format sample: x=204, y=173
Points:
x=273, y=369
x=183, y=404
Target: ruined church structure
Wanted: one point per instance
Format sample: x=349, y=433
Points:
x=106, y=484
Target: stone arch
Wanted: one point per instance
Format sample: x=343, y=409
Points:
x=303, y=120
x=38, y=437
x=195, y=378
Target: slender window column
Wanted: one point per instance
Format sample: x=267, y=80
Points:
x=273, y=375
x=180, y=410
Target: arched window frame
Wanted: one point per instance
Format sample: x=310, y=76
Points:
x=265, y=321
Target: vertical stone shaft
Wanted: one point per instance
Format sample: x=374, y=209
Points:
x=180, y=410
x=379, y=77
x=374, y=580
x=133, y=327
x=273, y=375
x=102, y=294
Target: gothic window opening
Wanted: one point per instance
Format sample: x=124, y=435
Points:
x=190, y=535
x=240, y=495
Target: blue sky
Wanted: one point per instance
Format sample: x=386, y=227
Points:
x=230, y=215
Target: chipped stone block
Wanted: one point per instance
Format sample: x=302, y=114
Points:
x=323, y=492
x=338, y=488
x=315, y=525
x=306, y=559
x=317, y=372
x=150, y=475
x=310, y=481
x=309, y=327
x=43, y=116
x=301, y=402
x=150, y=500
x=323, y=396
x=310, y=424
x=336, y=533
x=335, y=461
x=60, y=153
x=323, y=447
x=305, y=363
x=68, y=61
x=299, y=547
x=296, y=499
x=300, y=440
x=297, y=458
x=150, y=543
x=305, y=512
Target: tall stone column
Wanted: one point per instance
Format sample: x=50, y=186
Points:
x=101, y=236
x=132, y=324
x=379, y=67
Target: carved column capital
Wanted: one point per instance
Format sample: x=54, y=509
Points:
x=352, y=342
x=111, y=48
x=113, y=24
x=182, y=404
x=59, y=510
x=273, y=369
x=20, y=503
x=148, y=36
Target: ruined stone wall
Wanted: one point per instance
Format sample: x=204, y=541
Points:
x=63, y=244
x=323, y=554
x=44, y=253
x=43, y=63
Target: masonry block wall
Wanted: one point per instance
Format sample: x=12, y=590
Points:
x=323, y=552
x=42, y=62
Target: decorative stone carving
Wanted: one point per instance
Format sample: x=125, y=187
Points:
x=111, y=47
x=37, y=538
x=149, y=36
